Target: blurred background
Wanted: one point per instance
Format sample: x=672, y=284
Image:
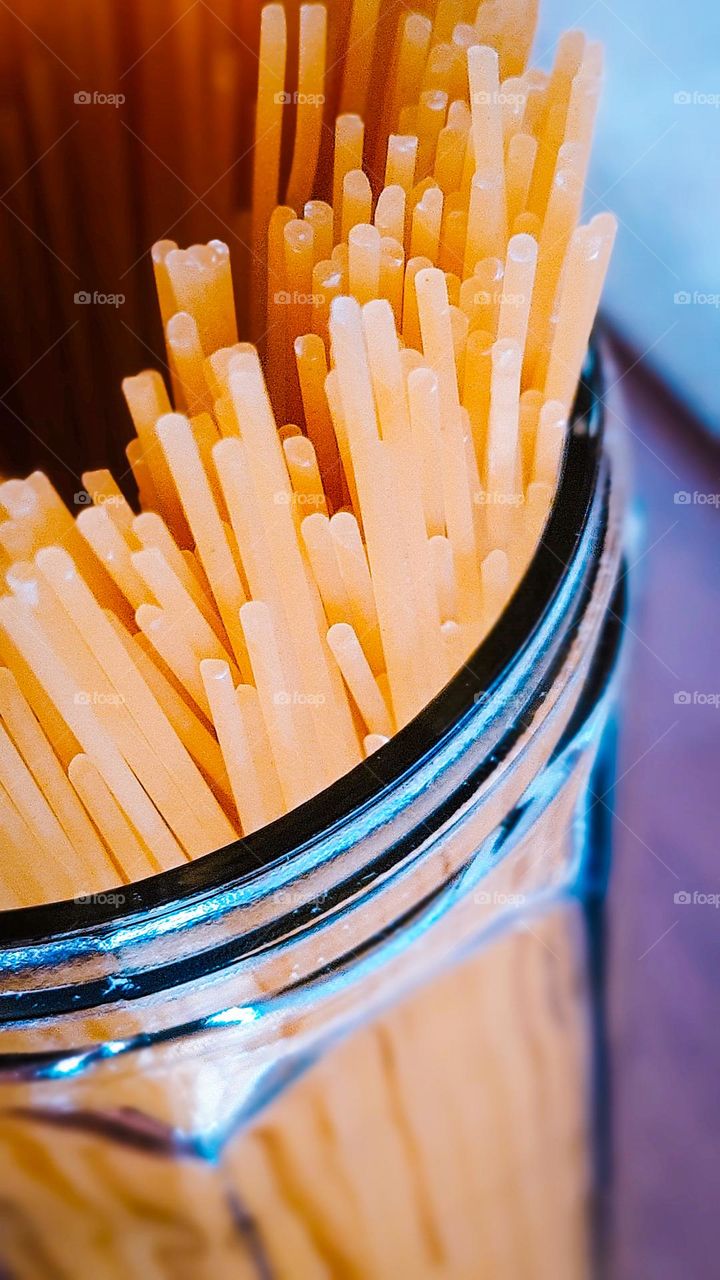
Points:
x=91, y=92
x=656, y=165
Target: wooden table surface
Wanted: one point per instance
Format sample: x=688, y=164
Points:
x=664, y=951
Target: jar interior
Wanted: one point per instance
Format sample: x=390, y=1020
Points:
x=365, y=784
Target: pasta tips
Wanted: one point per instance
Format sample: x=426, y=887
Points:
x=348, y=459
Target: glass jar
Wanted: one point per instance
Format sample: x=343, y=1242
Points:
x=364, y=1042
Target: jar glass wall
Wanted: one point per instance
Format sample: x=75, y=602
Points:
x=363, y=1042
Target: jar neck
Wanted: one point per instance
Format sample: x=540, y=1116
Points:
x=369, y=827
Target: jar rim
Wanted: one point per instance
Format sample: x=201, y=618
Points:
x=250, y=856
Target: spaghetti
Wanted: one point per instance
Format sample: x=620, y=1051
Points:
x=331, y=521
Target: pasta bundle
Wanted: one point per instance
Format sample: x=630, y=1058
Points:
x=332, y=519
